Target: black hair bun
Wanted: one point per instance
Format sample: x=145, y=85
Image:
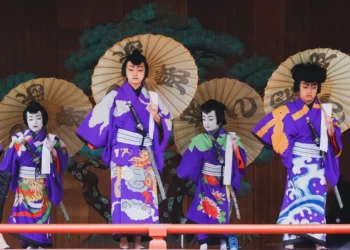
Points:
x=309, y=72
x=136, y=52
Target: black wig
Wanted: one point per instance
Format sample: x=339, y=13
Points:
x=310, y=73
x=135, y=58
x=33, y=108
x=219, y=109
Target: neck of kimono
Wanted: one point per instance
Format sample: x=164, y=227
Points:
x=215, y=132
x=135, y=85
x=309, y=103
x=36, y=134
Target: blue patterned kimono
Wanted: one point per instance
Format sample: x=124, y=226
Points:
x=286, y=130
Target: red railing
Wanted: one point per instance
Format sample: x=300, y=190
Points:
x=158, y=232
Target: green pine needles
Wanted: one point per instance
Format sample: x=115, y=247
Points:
x=12, y=81
x=255, y=71
x=210, y=49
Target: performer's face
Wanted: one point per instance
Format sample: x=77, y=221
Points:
x=210, y=121
x=308, y=91
x=35, y=121
x=135, y=74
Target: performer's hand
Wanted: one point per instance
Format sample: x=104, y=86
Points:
x=153, y=108
x=329, y=125
x=51, y=148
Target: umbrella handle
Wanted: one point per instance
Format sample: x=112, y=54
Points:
x=235, y=202
x=337, y=194
x=64, y=212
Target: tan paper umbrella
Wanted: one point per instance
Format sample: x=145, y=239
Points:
x=172, y=70
x=66, y=105
x=244, y=109
x=335, y=90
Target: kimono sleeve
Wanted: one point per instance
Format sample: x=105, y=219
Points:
x=242, y=156
x=277, y=131
x=62, y=156
x=9, y=160
x=5, y=181
x=332, y=170
x=161, y=137
x=191, y=163
x=263, y=130
x=10, y=164
x=336, y=139
x=239, y=162
x=164, y=115
x=58, y=166
x=94, y=128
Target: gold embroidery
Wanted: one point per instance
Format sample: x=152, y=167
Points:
x=142, y=161
x=117, y=182
x=283, y=110
x=297, y=115
x=154, y=188
x=32, y=189
x=279, y=139
x=261, y=132
x=126, y=151
x=148, y=182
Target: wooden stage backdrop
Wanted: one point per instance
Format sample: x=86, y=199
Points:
x=37, y=36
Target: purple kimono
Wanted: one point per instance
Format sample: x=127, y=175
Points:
x=111, y=125
x=212, y=201
x=35, y=194
x=286, y=130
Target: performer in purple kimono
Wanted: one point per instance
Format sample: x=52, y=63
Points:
x=4, y=185
x=294, y=131
x=215, y=161
x=36, y=161
x=112, y=124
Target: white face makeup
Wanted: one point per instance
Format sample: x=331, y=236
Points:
x=210, y=121
x=35, y=121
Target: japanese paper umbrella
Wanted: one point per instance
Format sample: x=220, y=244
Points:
x=66, y=105
x=244, y=109
x=172, y=70
x=335, y=90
